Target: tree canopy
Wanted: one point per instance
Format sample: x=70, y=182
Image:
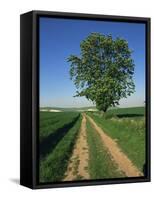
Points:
x=103, y=72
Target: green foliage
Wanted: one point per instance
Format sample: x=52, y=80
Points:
x=128, y=132
x=54, y=165
x=103, y=72
x=100, y=162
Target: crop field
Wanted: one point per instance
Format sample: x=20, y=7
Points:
x=57, y=135
x=50, y=122
x=128, y=112
x=82, y=145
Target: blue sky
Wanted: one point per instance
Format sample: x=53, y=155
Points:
x=61, y=37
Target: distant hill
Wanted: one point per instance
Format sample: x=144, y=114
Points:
x=115, y=110
x=58, y=109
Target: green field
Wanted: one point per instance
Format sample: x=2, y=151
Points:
x=59, y=132
x=51, y=122
x=128, y=112
x=127, y=127
x=57, y=136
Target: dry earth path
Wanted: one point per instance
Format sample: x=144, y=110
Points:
x=124, y=163
x=78, y=164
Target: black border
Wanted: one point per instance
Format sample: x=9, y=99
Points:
x=26, y=174
x=35, y=96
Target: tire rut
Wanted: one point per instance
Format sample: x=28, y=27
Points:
x=78, y=164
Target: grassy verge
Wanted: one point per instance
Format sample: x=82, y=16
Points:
x=54, y=165
x=129, y=133
x=100, y=163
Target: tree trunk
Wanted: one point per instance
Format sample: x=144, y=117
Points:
x=104, y=110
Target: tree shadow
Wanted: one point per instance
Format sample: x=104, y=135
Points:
x=49, y=143
x=129, y=115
